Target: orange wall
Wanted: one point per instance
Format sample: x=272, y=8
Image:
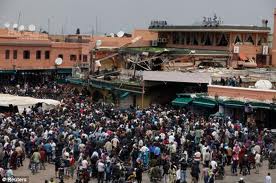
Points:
x=55, y=49
x=250, y=50
x=274, y=41
x=237, y=92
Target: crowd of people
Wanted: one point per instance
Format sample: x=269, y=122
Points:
x=86, y=140
x=229, y=81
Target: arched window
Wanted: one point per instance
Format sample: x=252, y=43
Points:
x=262, y=40
x=223, y=41
x=183, y=35
x=250, y=39
x=188, y=39
x=202, y=39
x=195, y=42
x=238, y=39
x=174, y=37
x=208, y=41
x=218, y=37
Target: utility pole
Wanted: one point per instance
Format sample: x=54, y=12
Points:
x=143, y=93
x=19, y=18
x=96, y=25
x=49, y=25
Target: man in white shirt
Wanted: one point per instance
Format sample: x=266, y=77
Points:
x=115, y=142
x=257, y=162
x=84, y=164
x=268, y=179
x=214, y=165
x=178, y=175
x=53, y=145
x=100, y=168
x=197, y=157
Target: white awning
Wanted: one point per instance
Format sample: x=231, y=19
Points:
x=25, y=102
x=186, y=77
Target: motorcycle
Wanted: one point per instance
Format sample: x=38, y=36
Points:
x=271, y=164
x=220, y=172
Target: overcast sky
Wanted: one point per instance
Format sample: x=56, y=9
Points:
x=115, y=15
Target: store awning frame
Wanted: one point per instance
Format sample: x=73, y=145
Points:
x=205, y=102
x=182, y=101
x=7, y=71
x=64, y=71
x=234, y=104
x=124, y=95
x=260, y=105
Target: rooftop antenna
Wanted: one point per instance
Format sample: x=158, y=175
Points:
x=31, y=28
x=96, y=25
x=49, y=25
x=65, y=25
x=19, y=18
x=62, y=30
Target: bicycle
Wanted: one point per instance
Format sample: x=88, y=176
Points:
x=34, y=167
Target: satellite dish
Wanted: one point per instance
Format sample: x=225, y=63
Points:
x=98, y=43
x=15, y=26
x=7, y=25
x=263, y=84
x=21, y=28
x=192, y=52
x=58, y=61
x=120, y=34
x=31, y=28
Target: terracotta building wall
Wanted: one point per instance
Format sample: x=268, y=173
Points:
x=274, y=41
x=236, y=92
x=146, y=34
x=250, y=50
x=55, y=49
x=20, y=62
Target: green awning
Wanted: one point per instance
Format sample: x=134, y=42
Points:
x=75, y=81
x=7, y=71
x=233, y=103
x=124, y=95
x=260, y=105
x=64, y=71
x=61, y=81
x=205, y=102
x=181, y=102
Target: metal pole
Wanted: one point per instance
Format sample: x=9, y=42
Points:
x=90, y=63
x=143, y=92
x=49, y=26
